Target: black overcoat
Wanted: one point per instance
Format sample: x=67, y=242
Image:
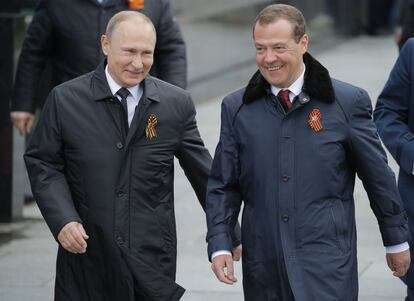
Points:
x=83, y=168
x=67, y=34
x=295, y=174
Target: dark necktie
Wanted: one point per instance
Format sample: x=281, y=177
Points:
x=284, y=96
x=124, y=93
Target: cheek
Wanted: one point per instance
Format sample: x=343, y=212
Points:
x=147, y=62
x=259, y=59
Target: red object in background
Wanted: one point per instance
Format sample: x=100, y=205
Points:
x=136, y=4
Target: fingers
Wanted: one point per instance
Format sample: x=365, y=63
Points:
x=23, y=121
x=72, y=238
x=237, y=253
x=219, y=265
x=399, y=263
x=29, y=124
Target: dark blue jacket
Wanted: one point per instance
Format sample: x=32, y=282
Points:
x=394, y=116
x=297, y=184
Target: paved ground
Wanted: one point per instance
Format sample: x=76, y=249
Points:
x=220, y=60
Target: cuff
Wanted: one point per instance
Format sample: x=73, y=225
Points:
x=397, y=248
x=221, y=252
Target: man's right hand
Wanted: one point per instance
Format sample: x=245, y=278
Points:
x=220, y=263
x=73, y=238
x=23, y=121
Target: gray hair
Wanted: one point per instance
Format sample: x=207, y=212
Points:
x=126, y=15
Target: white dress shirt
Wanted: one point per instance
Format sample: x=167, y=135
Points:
x=132, y=99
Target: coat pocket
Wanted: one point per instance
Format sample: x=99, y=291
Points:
x=338, y=216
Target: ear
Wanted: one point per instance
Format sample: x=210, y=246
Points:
x=304, y=43
x=105, y=44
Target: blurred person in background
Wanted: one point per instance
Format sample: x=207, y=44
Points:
x=404, y=22
x=394, y=117
x=66, y=34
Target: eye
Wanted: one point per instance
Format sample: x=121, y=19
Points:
x=280, y=48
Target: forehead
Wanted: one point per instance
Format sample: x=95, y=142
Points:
x=134, y=30
x=279, y=30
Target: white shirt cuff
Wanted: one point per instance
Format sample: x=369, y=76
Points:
x=221, y=252
x=397, y=248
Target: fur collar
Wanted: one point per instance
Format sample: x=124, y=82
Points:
x=317, y=83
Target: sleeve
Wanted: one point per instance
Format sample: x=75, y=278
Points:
x=36, y=50
x=392, y=110
x=223, y=194
x=170, y=53
x=193, y=156
x=45, y=164
x=370, y=162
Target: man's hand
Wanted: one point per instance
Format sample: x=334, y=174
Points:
x=237, y=252
x=73, y=237
x=220, y=263
x=23, y=121
x=399, y=262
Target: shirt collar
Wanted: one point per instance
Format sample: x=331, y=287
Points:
x=294, y=88
x=136, y=91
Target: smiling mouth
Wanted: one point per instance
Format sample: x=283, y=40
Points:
x=135, y=72
x=274, y=68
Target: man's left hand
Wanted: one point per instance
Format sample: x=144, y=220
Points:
x=399, y=262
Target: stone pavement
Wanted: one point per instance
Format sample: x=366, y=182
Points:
x=27, y=249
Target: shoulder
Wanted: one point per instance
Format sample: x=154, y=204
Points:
x=408, y=47
x=349, y=96
x=75, y=89
x=234, y=100
x=78, y=83
x=165, y=90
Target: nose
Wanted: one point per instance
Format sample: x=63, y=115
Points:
x=137, y=62
x=270, y=57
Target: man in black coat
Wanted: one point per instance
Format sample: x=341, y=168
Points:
x=101, y=165
x=66, y=34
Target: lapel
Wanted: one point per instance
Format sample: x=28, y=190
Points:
x=149, y=98
x=101, y=93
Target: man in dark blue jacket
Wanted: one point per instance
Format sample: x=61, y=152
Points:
x=395, y=122
x=291, y=144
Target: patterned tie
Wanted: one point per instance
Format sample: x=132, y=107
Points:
x=284, y=95
x=124, y=93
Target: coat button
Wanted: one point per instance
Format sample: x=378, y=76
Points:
x=119, y=194
x=285, y=218
x=119, y=145
x=285, y=178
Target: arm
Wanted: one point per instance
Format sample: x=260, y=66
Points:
x=35, y=52
x=195, y=160
x=402, y=7
x=223, y=198
x=170, y=52
x=392, y=111
x=45, y=165
x=370, y=162
x=193, y=157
